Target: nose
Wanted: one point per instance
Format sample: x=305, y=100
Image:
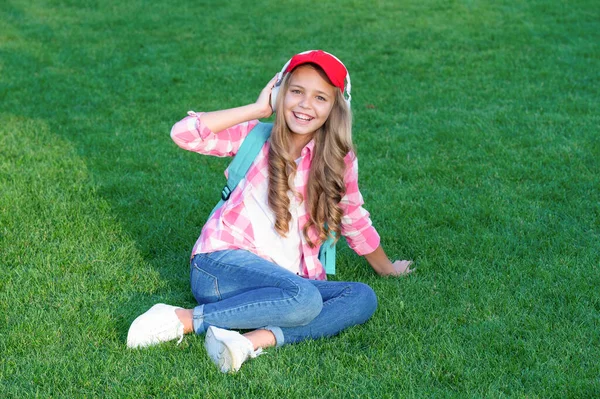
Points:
x=304, y=102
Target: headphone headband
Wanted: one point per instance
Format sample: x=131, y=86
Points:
x=333, y=67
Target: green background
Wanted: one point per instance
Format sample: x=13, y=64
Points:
x=477, y=130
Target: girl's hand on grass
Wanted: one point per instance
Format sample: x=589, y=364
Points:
x=384, y=267
x=263, y=102
x=402, y=267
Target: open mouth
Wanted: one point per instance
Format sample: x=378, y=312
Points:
x=303, y=117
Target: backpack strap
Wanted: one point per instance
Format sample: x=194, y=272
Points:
x=327, y=255
x=247, y=153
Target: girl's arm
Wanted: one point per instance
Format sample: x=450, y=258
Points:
x=224, y=119
x=384, y=267
x=359, y=231
x=220, y=133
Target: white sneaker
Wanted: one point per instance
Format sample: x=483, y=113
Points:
x=158, y=324
x=228, y=349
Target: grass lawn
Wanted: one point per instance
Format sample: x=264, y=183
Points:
x=477, y=127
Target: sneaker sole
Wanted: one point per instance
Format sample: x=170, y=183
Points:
x=218, y=351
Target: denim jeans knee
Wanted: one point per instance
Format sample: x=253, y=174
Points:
x=345, y=304
x=237, y=289
x=367, y=297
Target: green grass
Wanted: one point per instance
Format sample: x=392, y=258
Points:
x=477, y=127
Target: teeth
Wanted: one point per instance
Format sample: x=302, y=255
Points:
x=304, y=118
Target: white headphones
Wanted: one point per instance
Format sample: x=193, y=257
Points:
x=280, y=75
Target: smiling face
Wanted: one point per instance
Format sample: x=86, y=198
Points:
x=308, y=100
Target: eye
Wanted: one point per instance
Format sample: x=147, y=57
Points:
x=321, y=98
x=295, y=91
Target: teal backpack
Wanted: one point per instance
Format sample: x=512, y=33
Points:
x=238, y=168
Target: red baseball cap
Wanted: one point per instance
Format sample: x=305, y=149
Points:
x=333, y=67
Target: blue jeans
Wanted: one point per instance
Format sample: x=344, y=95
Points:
x=236, y=289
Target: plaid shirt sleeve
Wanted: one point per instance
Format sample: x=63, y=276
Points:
x=192, y=135
x=356, y=224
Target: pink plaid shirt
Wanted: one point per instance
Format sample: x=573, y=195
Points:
x=230, y=227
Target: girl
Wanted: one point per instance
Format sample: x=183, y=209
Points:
x=255, y=266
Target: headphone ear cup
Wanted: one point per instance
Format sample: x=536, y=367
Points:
x=274, y=93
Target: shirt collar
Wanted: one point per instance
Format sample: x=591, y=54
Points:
x=308, y=149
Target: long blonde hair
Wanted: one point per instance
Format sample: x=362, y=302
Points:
x=325, y=187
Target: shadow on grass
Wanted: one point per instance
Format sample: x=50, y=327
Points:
x=112, y=100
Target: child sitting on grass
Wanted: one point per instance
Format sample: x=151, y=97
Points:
x=255, y=265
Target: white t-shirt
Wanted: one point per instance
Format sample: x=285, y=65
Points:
x=284, y=251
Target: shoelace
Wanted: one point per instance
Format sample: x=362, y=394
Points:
x=180, y=333
x=257, y=352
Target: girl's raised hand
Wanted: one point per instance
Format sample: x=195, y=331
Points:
x=218, y=121
x=264, y=99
